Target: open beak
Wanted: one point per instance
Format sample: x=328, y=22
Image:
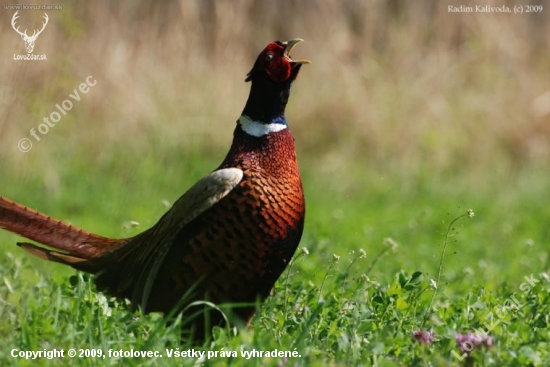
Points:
x=288, y=48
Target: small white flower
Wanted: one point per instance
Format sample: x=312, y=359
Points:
x=390, y=242
x=471, y=213
x=130, y=224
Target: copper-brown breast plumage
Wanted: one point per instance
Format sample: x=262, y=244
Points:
x=240, y=246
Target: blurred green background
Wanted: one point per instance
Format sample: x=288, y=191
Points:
x=408, y=116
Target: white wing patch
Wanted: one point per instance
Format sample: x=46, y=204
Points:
x=258, y=129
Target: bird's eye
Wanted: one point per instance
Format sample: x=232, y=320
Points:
x=269, y=57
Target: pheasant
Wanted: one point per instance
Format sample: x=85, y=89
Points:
x=226, y=240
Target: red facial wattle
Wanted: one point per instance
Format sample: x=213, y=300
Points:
x=276, y=60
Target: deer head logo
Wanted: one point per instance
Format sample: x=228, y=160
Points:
x=29, y=40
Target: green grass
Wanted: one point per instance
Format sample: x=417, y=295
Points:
x=333, y=305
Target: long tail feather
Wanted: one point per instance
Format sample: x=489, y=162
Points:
x=58, y=257
x=74, y=243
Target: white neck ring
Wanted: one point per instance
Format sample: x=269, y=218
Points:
x=259, y=129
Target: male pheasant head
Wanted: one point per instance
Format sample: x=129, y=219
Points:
x=271, y=78
x=275, y=62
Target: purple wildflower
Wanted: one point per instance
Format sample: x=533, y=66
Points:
x=467, y=343
x=282, y=362
x=423, y=337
